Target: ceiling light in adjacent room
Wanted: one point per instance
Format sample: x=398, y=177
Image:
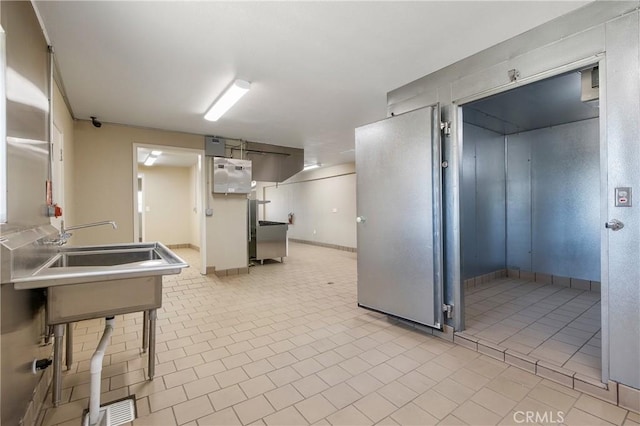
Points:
x=152, y=157
x=227, y=100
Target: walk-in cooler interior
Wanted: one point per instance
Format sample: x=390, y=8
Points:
x=531, y=182
x=530, y=212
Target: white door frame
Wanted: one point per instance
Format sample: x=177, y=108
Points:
x=57, y=173
x=202, y=195
x=141, y=227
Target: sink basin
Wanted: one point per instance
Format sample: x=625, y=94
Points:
x=98, y=281
x=102, y=258
x=82, y=264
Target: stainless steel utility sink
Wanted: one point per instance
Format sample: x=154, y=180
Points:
x=82, y=264
x=88, y=282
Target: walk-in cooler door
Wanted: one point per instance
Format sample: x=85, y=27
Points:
x=399, y=175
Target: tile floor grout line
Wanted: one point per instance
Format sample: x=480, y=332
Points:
x=575, y=316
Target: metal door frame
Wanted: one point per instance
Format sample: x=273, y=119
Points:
x=458, y=138
x=438, y=220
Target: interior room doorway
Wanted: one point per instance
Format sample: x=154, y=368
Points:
x=168, y=197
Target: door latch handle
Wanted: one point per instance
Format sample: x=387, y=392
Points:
x=361, y=219
x=614, y=225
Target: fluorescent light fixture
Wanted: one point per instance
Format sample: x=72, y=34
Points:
x=311, y=166
x=227, y=100
x=150, y=160
x=152, y=157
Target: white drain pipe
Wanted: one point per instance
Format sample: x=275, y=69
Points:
x=96, y=371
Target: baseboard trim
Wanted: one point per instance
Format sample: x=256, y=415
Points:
x=326, y=245
x=227, y=272
x=568, y=282
x=539, y=277
x=485, y=278
x=183, y=246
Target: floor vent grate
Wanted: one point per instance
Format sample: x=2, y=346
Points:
x=115, y=413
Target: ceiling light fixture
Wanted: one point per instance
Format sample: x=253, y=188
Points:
x=151, y=158
x=227, y=100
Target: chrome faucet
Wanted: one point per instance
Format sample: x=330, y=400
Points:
x=64, y=234
x=87, y=225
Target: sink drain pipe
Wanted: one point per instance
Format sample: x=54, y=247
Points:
x=96, y=371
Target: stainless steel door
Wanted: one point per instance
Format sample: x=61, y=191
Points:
x=398, y=178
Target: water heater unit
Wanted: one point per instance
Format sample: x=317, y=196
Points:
x=231, y=176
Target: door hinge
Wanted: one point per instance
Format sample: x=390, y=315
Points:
x=448, y=309
x=445, y=126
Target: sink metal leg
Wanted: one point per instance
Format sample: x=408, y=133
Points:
x=48, y=334
x=58, y=332
x=69, y=346
x=152, y=343
x=145, y=331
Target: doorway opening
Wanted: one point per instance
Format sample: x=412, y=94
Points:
x=531, y=221
x=168, y=197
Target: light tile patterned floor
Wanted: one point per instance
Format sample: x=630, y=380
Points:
x=547, y=322
x=287, y=345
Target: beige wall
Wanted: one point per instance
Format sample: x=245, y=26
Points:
x=103, y=163
x=104, y=188
x=323, y=202
x=167, y=204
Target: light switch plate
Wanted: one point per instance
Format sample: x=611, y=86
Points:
x=623, y=196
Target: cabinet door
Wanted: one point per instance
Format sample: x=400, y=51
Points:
x=399, y=187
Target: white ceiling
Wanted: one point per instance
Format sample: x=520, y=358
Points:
x=318, y=69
